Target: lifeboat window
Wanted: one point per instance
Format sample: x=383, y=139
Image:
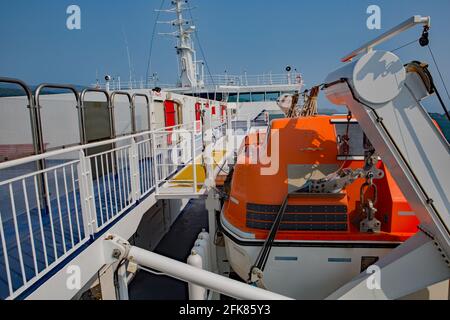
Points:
x=356, y=136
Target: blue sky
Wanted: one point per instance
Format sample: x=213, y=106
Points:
x=253, y=35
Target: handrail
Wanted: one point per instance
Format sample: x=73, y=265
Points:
x=20, y=83
x=31, y=106
x=130, y=100
x=147, y=99
x=265, y=79
x=51, y=154
x=87, y=90
x=37, y=97
x=108, y=101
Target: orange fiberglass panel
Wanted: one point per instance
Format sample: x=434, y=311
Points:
x=300, y=142
x=260, y=188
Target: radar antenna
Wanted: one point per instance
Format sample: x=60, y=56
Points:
x=189, y=76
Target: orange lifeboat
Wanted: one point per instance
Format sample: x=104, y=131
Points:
x=320, y=235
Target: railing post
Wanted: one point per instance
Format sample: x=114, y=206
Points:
x=155, y=162
x=187, y=147
x=194, y=165
x=86, y=186
x=134, y=170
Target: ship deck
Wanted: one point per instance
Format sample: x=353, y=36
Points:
x=176, y=245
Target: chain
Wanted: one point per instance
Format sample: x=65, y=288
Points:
x=345, y=143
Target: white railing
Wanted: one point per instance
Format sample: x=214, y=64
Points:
x=265, y=79
x=133, y=85
x=183, y=146
x=43, y=225
x=47, y=214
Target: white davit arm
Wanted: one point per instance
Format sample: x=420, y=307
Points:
x=411, y=22
x=386, y=100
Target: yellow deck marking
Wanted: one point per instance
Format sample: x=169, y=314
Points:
x=186, y=174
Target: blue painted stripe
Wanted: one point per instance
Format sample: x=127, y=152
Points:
x=70, y=258
x=340, y=260
x=286, y=258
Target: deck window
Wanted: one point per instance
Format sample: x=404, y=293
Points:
x=232, y=97
x=244, y=97
x=272, y=96
x=258, y=96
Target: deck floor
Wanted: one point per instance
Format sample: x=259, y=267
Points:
x=177, y=245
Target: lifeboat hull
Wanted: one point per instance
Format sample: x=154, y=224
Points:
x=304, y=270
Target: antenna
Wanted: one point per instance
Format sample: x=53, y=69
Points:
x=130, y=67
x=185, y=46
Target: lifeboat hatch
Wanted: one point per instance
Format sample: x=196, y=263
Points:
x=300, y=174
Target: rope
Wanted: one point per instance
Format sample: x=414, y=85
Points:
x=293, y=110
x=439, y=71
x=310, y=107
x=405, y=45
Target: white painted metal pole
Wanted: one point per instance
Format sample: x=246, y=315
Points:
x=201, y=278
x=155, y=163
x=211, y=203
x=194, y=165
x=85, y=182
x=134, y=168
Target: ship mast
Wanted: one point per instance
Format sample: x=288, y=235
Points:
x=185, y=47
